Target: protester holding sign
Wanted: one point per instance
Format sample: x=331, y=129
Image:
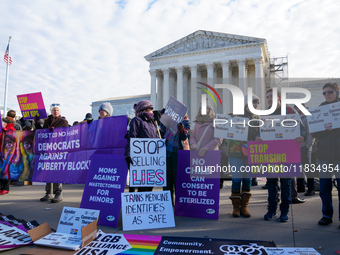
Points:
x=53, y=121
x=173, y=145
x=202, y=137
x=141, y=126
x=238, y=157
x=328, y=156
x=285, y=182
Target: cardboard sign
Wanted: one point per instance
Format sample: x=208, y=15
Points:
x=174, y=114
x=274, y=127
x=235, y=128
x=105, y=182
x=324, y=116
x=32, y=105
x=149, y=162
x=273, y=159
x=147, y=210
x=69, y=232
x=197, y=194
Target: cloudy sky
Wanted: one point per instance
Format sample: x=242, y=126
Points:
x=80, y=51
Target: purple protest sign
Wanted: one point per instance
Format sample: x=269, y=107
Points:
x=174, y=114
x=32, y=105
x=197, y=195
x=63, y=155
x=274, y=159
x=104, y=185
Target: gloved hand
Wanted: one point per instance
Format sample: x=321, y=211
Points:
x=202, y=152
x=180, y=127
x=193, y=146
x=128, y=161
x=51, y=129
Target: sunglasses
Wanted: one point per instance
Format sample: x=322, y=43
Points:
x=328, y=92
x=54, y=105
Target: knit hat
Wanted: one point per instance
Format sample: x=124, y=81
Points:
x=88, y=116
x=142, y=105
x=106, y=107
x=254, y=97
x=209, y=106
x=55, y=106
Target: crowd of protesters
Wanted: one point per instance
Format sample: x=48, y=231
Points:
x=324, y=145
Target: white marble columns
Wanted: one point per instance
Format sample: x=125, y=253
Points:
x=260, y=84
x=179, y=71
x=153, y=87
x=181, y=82
x=166, y=85
x=226, y=79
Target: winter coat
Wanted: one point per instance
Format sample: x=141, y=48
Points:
x=328, y=142
x=209, y=141
x=8, y=120
x=141, y=127
x=51, y=122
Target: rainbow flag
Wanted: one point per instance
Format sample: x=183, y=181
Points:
x=142, y=245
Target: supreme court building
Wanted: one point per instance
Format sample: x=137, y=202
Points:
x=211, y=58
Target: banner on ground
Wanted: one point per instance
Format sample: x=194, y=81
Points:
x=197, y=186
x=274, y=159
x=105, y=182
x=234, y=128
x=324, y=116
x=13, y=232
x=149, y=162
x=147, y=210
x=279, y=127
x=174, y=114
x=32, y=105
x=164, y=245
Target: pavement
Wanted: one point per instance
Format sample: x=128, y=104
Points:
x=302, y=229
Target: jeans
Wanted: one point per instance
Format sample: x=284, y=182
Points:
x=273, y=194
x=326, y=186
x=238, y=176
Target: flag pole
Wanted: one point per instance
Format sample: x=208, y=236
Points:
x=6, y=82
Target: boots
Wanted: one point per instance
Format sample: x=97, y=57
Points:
x=236, y=201
x=57, y=198
x=244, y=203
x=47, y=197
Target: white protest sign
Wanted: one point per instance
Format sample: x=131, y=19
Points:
x=147, y=210
x=72, y=219
x=149, y=162
x=280, y=127
x=174, y=114
x=107, y=244
x=234, y=128
x=324, y=116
